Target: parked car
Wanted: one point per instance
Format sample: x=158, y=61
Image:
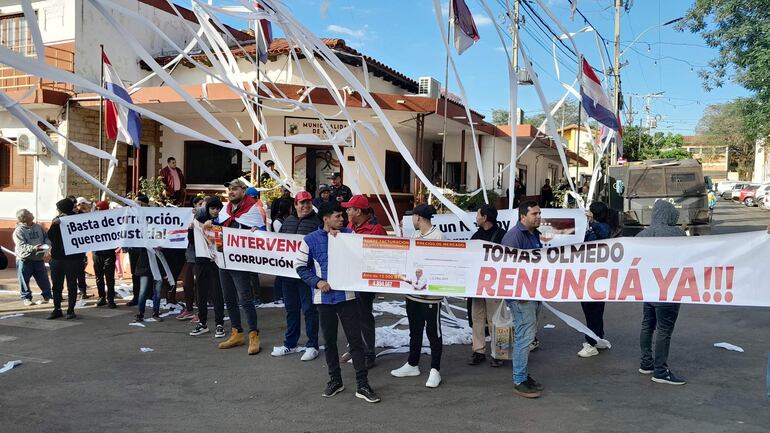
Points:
x=735, y=191
x=761, y=194
x=725, y=186
x=746, y=195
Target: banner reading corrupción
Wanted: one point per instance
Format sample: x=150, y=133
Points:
x=694, y=270
x=151, y=227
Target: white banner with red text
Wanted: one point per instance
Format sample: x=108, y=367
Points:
x=557, y=227
x=694, y=270
x=260, y=251
x=148, y=227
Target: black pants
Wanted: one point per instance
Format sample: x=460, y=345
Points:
x=133, y=259
x=104, y=270
x=424, y=316
x=207, y=281
x=65, y=270
x=658, y=318
x=594, y=312
x=81, y=276
x=365, y=300
x=348, y=314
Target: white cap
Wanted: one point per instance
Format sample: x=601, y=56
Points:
x=81, y=200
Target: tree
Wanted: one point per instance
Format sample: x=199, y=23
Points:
x=566, y=115
x=499, y=117
x=730, y=124
x=638, y=145
x=738, y=30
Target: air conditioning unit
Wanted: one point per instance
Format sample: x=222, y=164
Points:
x=429, y=86
x=28, y=144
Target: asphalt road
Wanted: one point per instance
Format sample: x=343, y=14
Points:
x=90, y=376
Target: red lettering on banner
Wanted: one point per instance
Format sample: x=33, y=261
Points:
x=632, y=286
x=260, y=243
x=576, y=285
x=232, y=241
x=505, y=285
x=613, y=284
x=593, y=293
x=252, y=242
x=544, y=291
x=525, y=281
x=687, y=286
x=664, y=282
x=486, y=283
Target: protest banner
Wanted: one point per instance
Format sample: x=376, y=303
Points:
x=558, y=226
x=150, y=227
x=693, y=270
x=260, y=251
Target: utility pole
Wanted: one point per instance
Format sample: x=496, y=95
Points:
x=618, y=5
x=513, y=115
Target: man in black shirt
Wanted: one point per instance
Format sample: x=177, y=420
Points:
x=63, y=267
x=483, y=309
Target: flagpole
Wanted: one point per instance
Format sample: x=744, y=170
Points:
x=101, y=106
x=446, y=98
x=254, y=132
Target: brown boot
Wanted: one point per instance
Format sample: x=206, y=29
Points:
x=253, y=342
x=236, y=339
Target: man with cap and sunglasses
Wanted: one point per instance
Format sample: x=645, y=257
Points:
x=423, y=311
x=361, y=217
x=297, y=295
x=241, y=213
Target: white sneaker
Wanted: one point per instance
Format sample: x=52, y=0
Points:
x=406, y=371
x=28, y=302
x=434, y=380
x=310, y=354
x=588, y=351
x=283, y=350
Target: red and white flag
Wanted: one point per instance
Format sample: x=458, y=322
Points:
x=465, y=30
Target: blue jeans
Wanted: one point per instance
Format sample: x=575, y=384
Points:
x=144, y=287
x=237, y=285
x=298, y=296
x=26, y=269
x=525, y=326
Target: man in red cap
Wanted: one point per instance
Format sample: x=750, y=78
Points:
x=104, y=269
x=361, y=215
x=298, y=296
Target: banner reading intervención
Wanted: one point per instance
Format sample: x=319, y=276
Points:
x=694, y=270
x=558, y=226
x=164, y=227
x=262, y=252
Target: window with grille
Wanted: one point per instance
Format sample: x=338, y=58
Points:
x=15, y=34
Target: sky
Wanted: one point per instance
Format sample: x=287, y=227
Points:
x=404, y=34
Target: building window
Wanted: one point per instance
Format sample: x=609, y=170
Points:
x=16, y=171
x=15, y=34
x=396, y=172
x=209, y=164
x=499, y=181
x=453, y=171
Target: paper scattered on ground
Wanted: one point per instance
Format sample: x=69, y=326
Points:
x=150, y=319
x=9, y=365
x=146, y=349
x=140, y=325
x=125, y=291
x=276, y=304
x=549, y=326
x=8, y=316
x=393, y=307
x=729, y=346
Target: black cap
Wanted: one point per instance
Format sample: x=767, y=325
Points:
x=335, y=175
x=143, y=198
x=215, y=203
x=424, y=210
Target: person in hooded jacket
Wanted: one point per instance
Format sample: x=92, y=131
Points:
x=659, y=318
x=31, y=243
x=207, y=274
